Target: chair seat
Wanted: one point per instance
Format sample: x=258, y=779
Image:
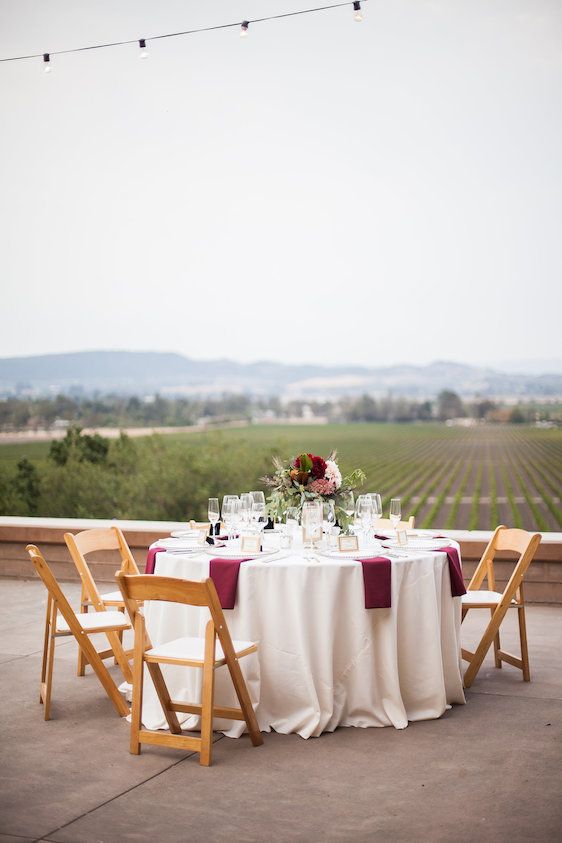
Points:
x=193, y=650
x=112, y=597
x=95, y=620
x=484, y=598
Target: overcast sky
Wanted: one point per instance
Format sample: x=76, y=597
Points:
x=321, y=191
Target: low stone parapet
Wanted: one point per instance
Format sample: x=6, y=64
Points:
x=543, y=583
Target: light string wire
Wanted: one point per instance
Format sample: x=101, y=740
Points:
x=184, y=32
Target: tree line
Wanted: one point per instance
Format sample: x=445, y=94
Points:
x=22, y=413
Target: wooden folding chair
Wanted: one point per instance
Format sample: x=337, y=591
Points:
x=386, y=524
x=80, y=545
x=498, y=603
x=81, y=626
x=204, y=653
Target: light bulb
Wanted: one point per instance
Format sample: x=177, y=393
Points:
x=244, y=28
x=143, y=49
x=47, y=63
x=358, y=16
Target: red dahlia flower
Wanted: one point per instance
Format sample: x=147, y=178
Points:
x=318, y=467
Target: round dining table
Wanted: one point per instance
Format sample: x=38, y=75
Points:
x=323, y=659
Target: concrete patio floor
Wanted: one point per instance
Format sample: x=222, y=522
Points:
x=489, y=770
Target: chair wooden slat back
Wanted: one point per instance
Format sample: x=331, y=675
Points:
x=103, y=538
x=137, y=589
x=53, y=588
x=505, y=539
x=90, y=541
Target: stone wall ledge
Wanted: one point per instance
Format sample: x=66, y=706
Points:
x=543, y=581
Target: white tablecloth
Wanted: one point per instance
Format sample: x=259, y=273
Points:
x=323, y=660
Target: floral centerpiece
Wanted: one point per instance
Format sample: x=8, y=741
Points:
x=310, y=477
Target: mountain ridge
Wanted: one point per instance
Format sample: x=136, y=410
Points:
x=170, y=373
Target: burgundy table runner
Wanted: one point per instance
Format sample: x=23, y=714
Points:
x=455, y=570
x=224, y=574
x=151, y=558
x=376, y=582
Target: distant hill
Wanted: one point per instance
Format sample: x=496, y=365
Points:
x=143, y=373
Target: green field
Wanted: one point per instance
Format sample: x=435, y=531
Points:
x=456, y=478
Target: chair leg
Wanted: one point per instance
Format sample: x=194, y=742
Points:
x=497, y=660
x=49, y=671
x=119, y=635
x=207, y=698
x=101, y=672
x=164, y=697
x=245, y=702
x=46, y=640
x=120, y=657
x=484, y=646
x=138, y=679
x=82, y=661
x=523, y=641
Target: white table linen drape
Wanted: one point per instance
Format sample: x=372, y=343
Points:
x=324, y=660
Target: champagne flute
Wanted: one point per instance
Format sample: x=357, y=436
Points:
x=213, y=513
x=395, y=512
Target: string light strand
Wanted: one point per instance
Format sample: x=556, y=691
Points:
x=242, y=25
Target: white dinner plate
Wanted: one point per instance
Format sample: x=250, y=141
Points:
x=229, y=553
x=419, y=544
x=179, y=545
x=351, y=554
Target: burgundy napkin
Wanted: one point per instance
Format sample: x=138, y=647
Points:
x=455, y=570
x=151, y=559
x=381, y=538
x=224, y=574
x=376, y=582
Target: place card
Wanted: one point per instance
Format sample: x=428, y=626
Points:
x=401, y=537
x=346, y=543
x=250, y=544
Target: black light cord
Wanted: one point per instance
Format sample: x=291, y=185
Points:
x=184, y=32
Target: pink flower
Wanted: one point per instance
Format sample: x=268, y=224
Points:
x=321, y=486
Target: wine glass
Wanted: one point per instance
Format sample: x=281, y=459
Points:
x=213, y=513
x=395, y=512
